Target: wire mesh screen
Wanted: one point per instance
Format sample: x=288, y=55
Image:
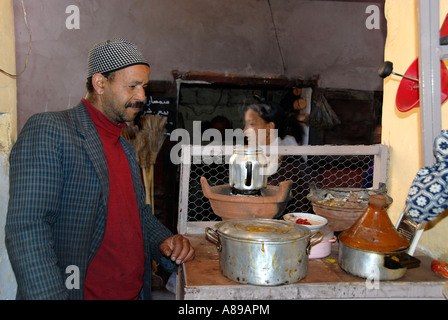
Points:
x=329, y=171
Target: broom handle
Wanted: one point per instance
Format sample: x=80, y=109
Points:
x=146, y=183
x=151, y=176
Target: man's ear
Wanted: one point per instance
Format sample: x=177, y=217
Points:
x=98, y=83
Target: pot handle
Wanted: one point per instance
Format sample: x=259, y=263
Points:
x=314, y=239
x=402, y=260
x=248, y=180
x=213, y=237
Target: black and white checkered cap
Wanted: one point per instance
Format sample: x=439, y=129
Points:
x=113, y=55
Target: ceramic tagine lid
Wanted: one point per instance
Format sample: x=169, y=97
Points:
x=373, y=231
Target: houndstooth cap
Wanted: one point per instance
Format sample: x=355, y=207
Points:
x=113, y=55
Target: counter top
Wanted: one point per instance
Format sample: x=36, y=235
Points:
x=202, y=279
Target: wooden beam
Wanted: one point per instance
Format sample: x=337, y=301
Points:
x=232, y=79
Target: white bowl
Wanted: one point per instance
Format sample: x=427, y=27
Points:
x=316, y=221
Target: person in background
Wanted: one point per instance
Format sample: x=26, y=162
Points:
x=267, y=116
x=377, y=134
x=219, y=123
x=266, y=124
x=222, y=124
x=77, y=225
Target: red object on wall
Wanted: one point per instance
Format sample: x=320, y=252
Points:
x=408, y=91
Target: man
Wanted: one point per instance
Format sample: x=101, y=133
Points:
x=77, y=212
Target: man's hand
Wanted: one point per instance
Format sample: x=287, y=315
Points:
x=178, y=248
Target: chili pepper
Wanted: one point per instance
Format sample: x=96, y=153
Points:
x=440, y=267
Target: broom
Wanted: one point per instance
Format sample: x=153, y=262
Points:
x=154, y=131
x=147, y=139
x=322, y=115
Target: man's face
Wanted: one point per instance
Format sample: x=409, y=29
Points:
x=124, y=95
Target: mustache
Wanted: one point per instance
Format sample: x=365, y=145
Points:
x=138, y=104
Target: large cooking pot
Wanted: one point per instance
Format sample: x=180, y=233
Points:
x=372, y=247
x=247, y=170
x=263, y=252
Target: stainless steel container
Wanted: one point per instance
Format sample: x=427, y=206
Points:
x=372, y=247
x=247, y=170
x=375, y=265
x=263, y=252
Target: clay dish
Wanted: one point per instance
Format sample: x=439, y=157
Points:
x=374, y=231
x=270, y=204
x=339, y=218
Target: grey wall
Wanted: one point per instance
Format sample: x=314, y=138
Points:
x=328, y=38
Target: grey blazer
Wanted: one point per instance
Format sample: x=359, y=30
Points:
x=59, y=189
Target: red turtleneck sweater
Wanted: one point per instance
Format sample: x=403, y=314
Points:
x=116, y=271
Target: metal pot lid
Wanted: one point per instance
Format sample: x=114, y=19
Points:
x=261, y=230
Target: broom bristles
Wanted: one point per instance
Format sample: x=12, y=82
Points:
x=153, y=127
x=148, y=140
x=147, y=143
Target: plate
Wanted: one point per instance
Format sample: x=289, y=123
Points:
x=316, y=222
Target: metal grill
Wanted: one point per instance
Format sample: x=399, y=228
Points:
x=325, y=166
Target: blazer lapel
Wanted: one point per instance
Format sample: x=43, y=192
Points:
x=95, y=152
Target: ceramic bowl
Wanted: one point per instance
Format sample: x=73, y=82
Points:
x=339, y=218
x=324, y=247
x=270, y=204
x=316, y=222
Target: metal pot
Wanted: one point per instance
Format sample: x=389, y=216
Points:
x=262, y=251
x=372, y=247
x=247, y=168
x=375, y=265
